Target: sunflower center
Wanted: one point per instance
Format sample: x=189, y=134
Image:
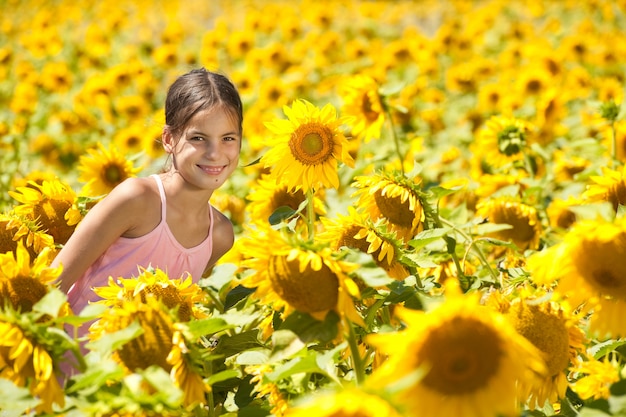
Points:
x=23, y=293
x=604, y=267
x=511, y=140
x=312, y=144
x=169, y=296
x=394, y=209
x=284, y=197
x=153, y=346
x=617, y=195
x=51, y=214
x=463, y=355
x=347, y=239
x=308, y=291
x=368, y=108
x=523, y=232
x=112, y=174
x=546, y=331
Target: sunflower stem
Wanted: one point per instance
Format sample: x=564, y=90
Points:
x=614, y=144
x=310, y=214
x=395, y=137
x=357, y=361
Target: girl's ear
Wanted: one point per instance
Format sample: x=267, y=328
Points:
x=168, y=140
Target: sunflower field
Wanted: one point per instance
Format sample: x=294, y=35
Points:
x=429, y=209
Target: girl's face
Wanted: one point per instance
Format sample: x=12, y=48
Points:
x=207, y=152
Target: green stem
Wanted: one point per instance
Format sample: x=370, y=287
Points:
x=356, y=356
x=614, y=143
x=395, y=138
x=310, y=214
x=210, y=399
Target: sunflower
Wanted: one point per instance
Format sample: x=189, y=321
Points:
x=550, y=327
x=179, y=294
x=289, y=276
x=560, y=214
x=595, y=379
x=394, y=198
x=52, y=205
x=14, y=228
x=350, y=402
x=588, y=268
x=503, y=142
x=610, y=186
x=461, y=358
x=355, y=231
x=525, y=229
x=102, y=170
x=363, y=102
x=263, y=388
x=267, y=195
x=28, y=363
x=160, y=343
x=307, y=147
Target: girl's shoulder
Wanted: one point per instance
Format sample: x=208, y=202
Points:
x=135, y=193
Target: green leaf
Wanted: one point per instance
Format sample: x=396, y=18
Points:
x=51, y=303
x=252, y=357
x=237, y=294
x=231, y=345
x=601, y=349
x=209, y=326
x=15, y=401
x=223, y=376
x=281, y=214
x=429, y=235
x=114, y=341
x=309, y=329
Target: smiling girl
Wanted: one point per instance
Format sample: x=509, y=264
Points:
x=164, y=221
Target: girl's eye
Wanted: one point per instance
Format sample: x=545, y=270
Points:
x=197, y=138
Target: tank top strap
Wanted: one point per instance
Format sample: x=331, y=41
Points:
x=162, y=194
x=211, y=216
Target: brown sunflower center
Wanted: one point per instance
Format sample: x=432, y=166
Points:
x=169, y=296
x=308, y=291
x=50, y=213
x=312, y=143
x=112, y=174
x=602, y=265
x=524, y=229
x=617, y=194
x=463, y=356
x=153, y=346
x=22, y=292
x=394, y=209
x=283, y=197
x=368, y=108
x=347, y=239
x=546, y=331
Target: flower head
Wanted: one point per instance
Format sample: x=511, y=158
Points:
x=101, y=170
x=307, y=147
x=363, y=102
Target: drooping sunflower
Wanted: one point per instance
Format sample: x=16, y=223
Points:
x=526, y=226
x=610, y=186
x=351, y=402
x=268, y=389
x=178, y=294
x=103, y=169
x=363, y=102
x=394, y=198
x=28, y=363
x=159, y=344
x=290, y=276
x=588, y=269
x=502, y=143
x=267, y=195
x=357, y=232
x=307, y=147
x=14, y=228
x=553, y=329
x=22, y=283
x=461, y=358
x=52, y=204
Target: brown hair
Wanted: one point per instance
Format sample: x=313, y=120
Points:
x=198, y=90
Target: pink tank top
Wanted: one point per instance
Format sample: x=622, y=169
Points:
x=159, y=249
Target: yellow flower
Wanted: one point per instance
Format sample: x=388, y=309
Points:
x=394, y=198
x=526, y=227
x=461, y=358
x=350, y=402
x=596, y=380
x=269, y=389
x=179, y=294
x=307, y=147
x=52, y=205
x=560, y=214
x=14, y=228
x=363, y=102
x=588, y=268
x=291, y=277
x=102, y=170
x=503, y=142
x=355, y=231
x=611, y=187
x=267, y=195
x=28, y=364
x=550, y=327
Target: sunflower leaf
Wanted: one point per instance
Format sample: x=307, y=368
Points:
x=204, y=327
x=281, y=214
x=15, y=401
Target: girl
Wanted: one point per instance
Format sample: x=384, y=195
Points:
x=164, y=221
